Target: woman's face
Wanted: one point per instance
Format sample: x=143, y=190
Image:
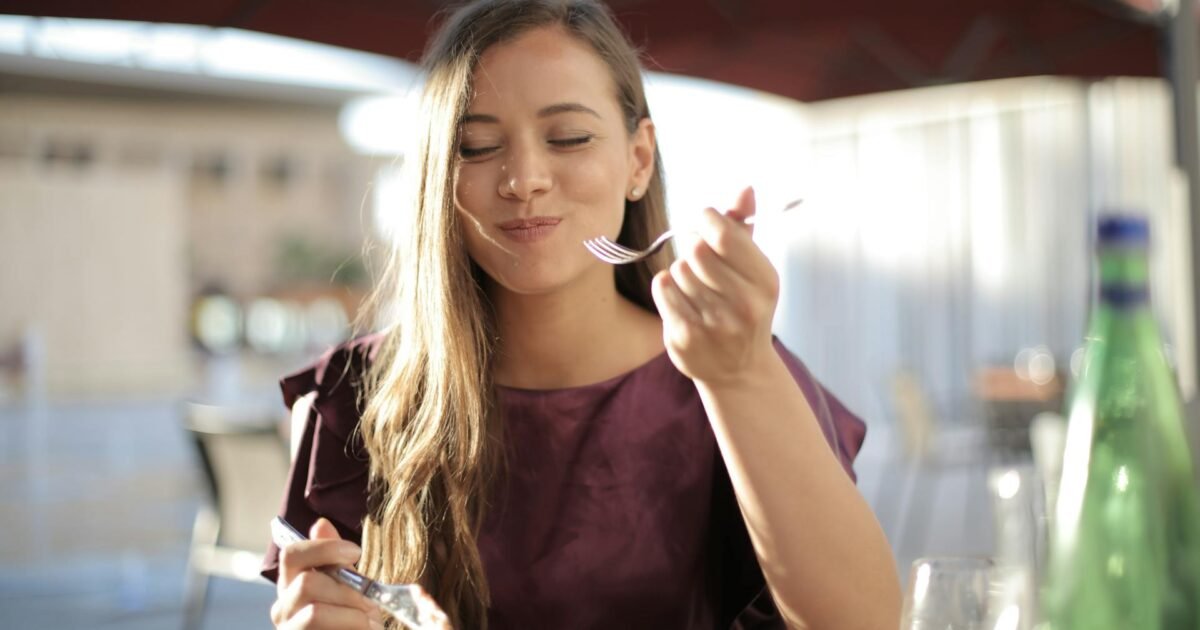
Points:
x=545, y=162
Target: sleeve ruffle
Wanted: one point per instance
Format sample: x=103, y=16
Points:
x=329, y=473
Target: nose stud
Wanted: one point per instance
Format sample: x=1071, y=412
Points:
x=509, y=185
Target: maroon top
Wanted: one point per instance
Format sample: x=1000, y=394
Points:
x=617, y=509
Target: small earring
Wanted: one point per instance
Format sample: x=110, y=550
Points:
x=635, y=193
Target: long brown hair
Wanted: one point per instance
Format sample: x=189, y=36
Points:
x=430, y=424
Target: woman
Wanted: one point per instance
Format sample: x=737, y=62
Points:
x=543, y=440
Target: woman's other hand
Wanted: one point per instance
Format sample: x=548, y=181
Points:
x=718, y=299
x=308, y=598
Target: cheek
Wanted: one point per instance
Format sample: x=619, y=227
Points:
x=473, y=237
x=595, y=180
x=470, y=189
x=470, y=200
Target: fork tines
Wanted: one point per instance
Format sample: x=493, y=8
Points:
x=610, y=252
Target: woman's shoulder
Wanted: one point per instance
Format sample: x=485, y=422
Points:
x=329, y=467
x=337, y=378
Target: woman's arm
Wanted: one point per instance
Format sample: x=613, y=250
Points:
x=821, y=550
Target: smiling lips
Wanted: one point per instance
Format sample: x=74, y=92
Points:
x=529, y=230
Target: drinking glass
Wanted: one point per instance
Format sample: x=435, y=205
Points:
x=949, y=593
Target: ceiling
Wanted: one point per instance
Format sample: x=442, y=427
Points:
x=804, y=49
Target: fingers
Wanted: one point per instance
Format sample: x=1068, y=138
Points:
x=310, y=598
x=307, y=597
x=325, y=616
x=673, y=305
x=316, y=587
x=731, y=241
x=375, y=618
x=722, y=290
x=745, y=207
x=323, y=530
x=703, y=265
x=705, y=300
x=430, y=614
x=729, y=237
x=324, y=550
x=316, y=600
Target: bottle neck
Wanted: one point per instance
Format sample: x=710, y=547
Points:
x=1124, y=276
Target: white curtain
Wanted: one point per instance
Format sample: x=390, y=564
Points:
x=947, y=228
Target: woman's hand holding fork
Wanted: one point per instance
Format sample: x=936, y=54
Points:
x=718, y=299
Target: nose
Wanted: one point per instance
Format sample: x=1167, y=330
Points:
x=525, y=173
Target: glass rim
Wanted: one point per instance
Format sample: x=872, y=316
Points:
x=981, y=560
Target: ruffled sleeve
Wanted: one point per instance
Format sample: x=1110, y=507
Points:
x=844, y=431
x=748, y=601
x=329, y=472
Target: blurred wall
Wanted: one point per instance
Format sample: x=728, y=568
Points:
x=116, y=212
x=95, y=261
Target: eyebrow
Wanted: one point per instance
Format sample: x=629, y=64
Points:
x=545, y=112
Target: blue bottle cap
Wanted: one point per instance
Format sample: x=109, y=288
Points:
x=1123, y=229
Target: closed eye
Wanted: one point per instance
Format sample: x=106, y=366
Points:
x=475, y=152
x=572, y=142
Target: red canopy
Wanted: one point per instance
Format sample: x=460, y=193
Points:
x=803, y=49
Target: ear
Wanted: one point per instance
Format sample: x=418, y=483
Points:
x=641, y=160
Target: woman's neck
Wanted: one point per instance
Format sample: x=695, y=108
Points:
x=575, y=336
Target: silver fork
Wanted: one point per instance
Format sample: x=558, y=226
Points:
x=395, y=599
x=616, y=254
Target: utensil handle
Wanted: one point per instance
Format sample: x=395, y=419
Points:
x=393, y=598
x=752, y=219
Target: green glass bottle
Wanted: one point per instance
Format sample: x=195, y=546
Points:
x=1125, y=543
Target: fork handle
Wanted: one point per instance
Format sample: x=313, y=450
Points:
x=752, y=219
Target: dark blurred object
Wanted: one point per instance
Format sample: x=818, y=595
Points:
x=23, y=368
x=1010, y=403
x=802, y=49
x=13, y=366
x=245, y=461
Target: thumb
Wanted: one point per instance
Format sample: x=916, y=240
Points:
x=745, y=206
x=323, y=530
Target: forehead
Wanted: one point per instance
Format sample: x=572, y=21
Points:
x=542, y=66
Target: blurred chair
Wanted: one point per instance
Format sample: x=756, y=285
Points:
x=927, y=440
x=913, y=414
x=937, y=457
x=245, y=464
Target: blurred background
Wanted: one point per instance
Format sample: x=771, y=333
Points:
x=186, y=194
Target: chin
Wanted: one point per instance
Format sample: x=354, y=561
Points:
x=531, y=280
x=547, y=272
x=536, y=284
